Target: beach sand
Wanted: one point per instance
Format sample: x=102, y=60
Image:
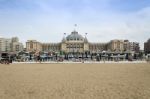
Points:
x=75, y=81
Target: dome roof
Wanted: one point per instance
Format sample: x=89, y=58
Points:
x=75, y=36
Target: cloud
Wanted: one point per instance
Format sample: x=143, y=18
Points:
x=47, y=20
x=134, y=26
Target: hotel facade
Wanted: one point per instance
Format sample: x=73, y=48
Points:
x=76, y=43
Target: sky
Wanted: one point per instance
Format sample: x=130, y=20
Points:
x=48, y=20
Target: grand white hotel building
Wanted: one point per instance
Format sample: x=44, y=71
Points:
x=77, y=43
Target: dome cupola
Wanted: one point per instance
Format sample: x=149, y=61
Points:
x=74, y=36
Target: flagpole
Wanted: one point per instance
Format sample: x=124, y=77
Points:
x=75, y=26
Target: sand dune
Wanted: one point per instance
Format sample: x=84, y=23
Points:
x=75, y=81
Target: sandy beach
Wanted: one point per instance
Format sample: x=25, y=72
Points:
x=75, y=81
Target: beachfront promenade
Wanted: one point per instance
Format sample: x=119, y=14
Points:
x=90, y=62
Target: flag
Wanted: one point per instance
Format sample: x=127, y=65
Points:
x=75, y=25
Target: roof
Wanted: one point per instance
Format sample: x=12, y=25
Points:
x=75, y=36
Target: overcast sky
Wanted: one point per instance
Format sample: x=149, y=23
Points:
x=48, y=20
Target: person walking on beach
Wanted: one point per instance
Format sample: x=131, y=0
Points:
x=38, y=58
x=30, y=58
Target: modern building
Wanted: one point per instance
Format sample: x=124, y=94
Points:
x=147, y=46
x=16, y=46
x=5, y=44
x=134, y=47
x=131, y=46
x=10, y=45
x=126, y=45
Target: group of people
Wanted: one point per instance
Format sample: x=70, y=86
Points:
x=5, y=62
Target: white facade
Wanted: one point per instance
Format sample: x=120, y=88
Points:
x=16, y=47
x=10, y=45
x=5, y=45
